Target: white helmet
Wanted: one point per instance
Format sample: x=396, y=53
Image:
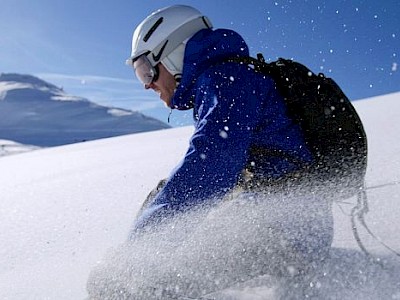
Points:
x=162, y=36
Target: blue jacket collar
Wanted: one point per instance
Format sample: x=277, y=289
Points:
x=205, y=49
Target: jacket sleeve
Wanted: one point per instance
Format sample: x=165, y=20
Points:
x=226, y=116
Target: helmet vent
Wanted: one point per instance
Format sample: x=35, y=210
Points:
x=152, y=29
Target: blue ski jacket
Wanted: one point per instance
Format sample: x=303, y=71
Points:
x=235, y=109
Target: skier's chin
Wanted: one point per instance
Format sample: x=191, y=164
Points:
x=166, y=100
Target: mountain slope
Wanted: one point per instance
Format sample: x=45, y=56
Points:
x=63, y=208
x=11, y=147
x=38, y=113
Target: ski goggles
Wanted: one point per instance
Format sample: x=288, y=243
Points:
x=144, y=70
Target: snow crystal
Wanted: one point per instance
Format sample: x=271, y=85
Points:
x=223, y=134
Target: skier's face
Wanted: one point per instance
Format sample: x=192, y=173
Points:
x=165, y=85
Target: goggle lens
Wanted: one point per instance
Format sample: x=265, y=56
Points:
x=145, y=72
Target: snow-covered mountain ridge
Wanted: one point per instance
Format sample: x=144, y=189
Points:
x=35, y=112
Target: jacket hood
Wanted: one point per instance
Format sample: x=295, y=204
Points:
x=205, y=49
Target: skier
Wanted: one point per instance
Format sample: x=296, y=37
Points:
x=247, y=144
x=243, y=135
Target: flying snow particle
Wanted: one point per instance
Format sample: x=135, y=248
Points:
x=291, y=270
x=394, y=67
x=223, y=134
x=231, y=78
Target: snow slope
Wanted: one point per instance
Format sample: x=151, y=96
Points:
x=10, y=147
x=62, y=209
x=36, y=112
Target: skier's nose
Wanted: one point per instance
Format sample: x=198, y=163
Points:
x=149, y=85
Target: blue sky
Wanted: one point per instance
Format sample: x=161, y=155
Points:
x=82, y=45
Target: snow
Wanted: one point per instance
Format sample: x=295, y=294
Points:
x=63, y=208
x=119, y=112
x=10, y=147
